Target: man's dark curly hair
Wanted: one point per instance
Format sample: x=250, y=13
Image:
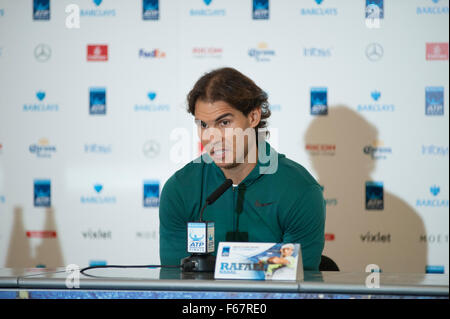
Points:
x=232, y=87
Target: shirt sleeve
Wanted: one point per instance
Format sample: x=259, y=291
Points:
x=172, y=225
x=304, y=223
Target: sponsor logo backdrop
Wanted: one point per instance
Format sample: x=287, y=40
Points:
x=93, y=120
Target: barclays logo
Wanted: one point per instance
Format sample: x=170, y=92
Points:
x=152, y=107
x=41, y=9
x=98, y=199
x=2, y=12
x=207, y=12
x=260, y=10
x=433, y=9
x=433, y=202
x=319, y=10
x=151, y=193
x=150, y=9
x=40, y=107
x=376, y=107
x=97, y=12
x=2, y=199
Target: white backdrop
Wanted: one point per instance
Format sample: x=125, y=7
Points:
x=377, y=82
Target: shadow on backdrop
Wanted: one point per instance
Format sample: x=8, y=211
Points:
x=48, y=252
x=388, y=237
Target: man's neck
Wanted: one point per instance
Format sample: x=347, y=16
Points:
x=239, y=173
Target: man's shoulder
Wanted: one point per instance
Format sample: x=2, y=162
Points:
x=295, y=174
x=188, y=174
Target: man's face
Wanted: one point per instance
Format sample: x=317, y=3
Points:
x=215, y=121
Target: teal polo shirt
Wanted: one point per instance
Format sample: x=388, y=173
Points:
x=286, y=206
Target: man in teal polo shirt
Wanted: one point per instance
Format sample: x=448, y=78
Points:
x=273, y=199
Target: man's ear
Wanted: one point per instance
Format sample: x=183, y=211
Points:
x=254, y=117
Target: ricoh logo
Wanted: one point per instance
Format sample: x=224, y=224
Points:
x=209, y=11
x=152, y=106
x=151, y=193
x=262, y=53
x=376, y=107
x=321, y=149
x=436, y=201
x=150, y=9
x=42, y=149
x=96, y=234
x=434, y=7
x=319, y=10
x=40, y=106
x=98, y=198
x=377, y=151
x=207, y=52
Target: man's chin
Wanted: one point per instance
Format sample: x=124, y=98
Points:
x=226, y=165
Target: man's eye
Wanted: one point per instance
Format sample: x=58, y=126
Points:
x=203, y=125
x=225, y=122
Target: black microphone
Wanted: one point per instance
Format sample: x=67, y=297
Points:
x=215, y=195
x=200, y=238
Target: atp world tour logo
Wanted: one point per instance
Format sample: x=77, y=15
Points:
x=434, y=100
x=97, y=101
x=374, y=196
x=319, y=101
x=42, y=194
x=151, y=193
x=374, y=13
x=150, y=9
x=260, y=9
x=41, y=9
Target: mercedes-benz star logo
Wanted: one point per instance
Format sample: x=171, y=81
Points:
x=42, y=52
x=151, y=149
x=374, y=52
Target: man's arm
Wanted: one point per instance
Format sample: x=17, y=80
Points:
x=172, y=225
x=304, y=223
